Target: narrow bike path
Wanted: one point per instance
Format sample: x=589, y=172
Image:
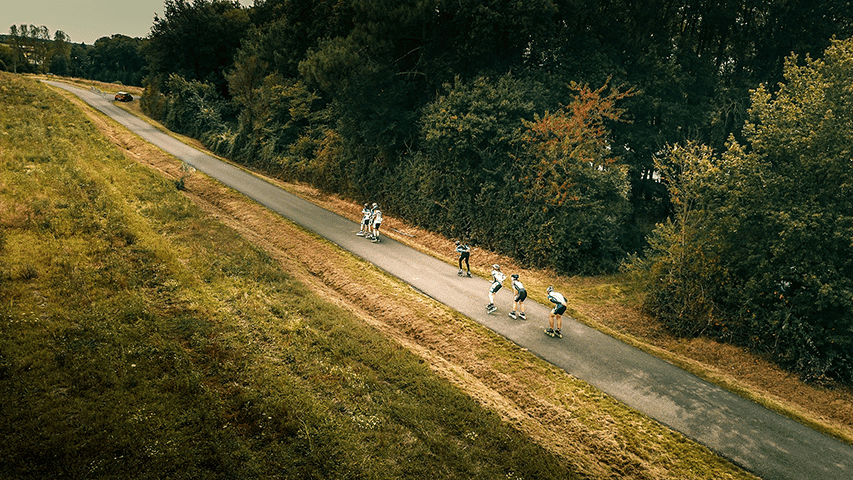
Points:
x=761, y=441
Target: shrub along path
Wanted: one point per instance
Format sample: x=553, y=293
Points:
x=768, y=444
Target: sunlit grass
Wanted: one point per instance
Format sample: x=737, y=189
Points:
x=141, y=339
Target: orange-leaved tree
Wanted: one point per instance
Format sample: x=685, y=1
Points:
x=570, y=168
x=568, y=144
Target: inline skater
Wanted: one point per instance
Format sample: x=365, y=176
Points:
x=520, y=297
x=366, y=213
x=464, y=254
x=377, y=222
x=497, y=282
x=555, y=318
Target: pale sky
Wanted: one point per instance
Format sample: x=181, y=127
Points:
x=85, y=20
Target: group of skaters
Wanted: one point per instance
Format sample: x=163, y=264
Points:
x=555, y=318
x=370, y=222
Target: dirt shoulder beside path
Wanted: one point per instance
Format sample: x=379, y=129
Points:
x=461, y=352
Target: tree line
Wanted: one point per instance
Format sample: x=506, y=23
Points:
x=432, y=106
x=577, y=135
x=32, y=49
x=758, y=249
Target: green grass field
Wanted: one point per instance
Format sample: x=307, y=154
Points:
x=140, y=338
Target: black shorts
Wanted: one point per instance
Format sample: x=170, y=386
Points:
x=559, y=310
x=495, y=287
x=521, y=295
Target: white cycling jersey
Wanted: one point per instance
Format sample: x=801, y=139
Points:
x=557, y=298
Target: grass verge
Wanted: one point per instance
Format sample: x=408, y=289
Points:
x=142, y=339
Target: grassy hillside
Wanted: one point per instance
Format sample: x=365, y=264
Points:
x=142, y=338
x=133, y=335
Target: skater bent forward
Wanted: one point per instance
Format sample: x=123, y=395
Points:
x=520, y=297
x=555, y=319
x=497, y=282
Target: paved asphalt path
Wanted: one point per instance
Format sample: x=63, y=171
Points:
x=763, y=442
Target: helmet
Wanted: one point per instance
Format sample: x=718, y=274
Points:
x=514, y=276
x=496, y=266
x=550, y=289
x=457, y=242
x=375, y=205
x=366, y=205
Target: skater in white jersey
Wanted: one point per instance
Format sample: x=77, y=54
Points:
x=555, y=318
x=377, y=222
x=520, y=297
x=366, y=213
x=497, y=282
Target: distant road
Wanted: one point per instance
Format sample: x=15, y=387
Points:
x=761, y=441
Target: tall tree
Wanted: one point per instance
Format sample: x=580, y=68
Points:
x=371, y=79
x=569, y=168
x=777, y=222
x=60, y=56
x=472, y=37
x=118, y=58
x=16, y=36
x=285, y=30
x=80, y=63
x=196, y=40
x=32, y=44
x=41, y=47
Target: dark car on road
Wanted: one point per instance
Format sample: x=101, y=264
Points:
x=124, y=97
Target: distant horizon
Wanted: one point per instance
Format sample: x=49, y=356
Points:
x=85, y=22
x=5, y=36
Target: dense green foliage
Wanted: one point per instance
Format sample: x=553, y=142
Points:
x=193, y=108
x=140, y=338
x=30, y=49
x=759, y=250
x=117, y=59
x=196, y=40
x=425, y=106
